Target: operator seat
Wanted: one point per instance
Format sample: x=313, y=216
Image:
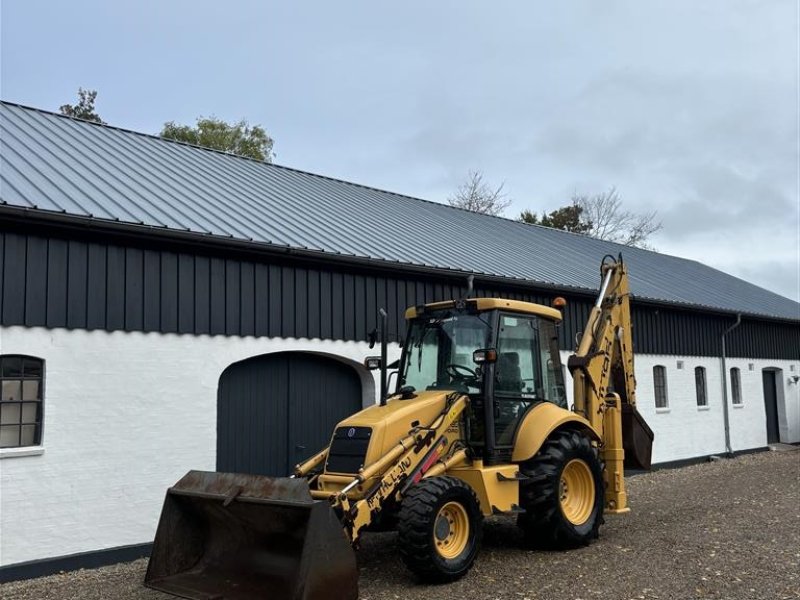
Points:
x=509, y=376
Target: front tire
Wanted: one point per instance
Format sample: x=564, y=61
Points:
x=440, y=527
x=563, y=496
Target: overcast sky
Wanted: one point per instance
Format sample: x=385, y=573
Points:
x=689, y=108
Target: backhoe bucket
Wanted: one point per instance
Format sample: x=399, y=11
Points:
x=227, y=536
x=637, y=438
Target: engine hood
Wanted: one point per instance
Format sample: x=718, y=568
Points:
x=392, y=422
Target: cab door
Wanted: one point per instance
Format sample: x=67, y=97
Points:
x=517, y=374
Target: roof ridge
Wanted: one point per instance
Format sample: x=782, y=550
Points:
x=152, y=136
x=325, y=177
x=238, y=156
x=559, y=259
x=247, y=158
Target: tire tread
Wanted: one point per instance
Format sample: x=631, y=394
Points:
x=418, y=509
x=543, y=522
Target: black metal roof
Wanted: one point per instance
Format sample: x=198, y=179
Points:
x=52, y=164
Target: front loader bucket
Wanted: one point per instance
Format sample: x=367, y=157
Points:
x=227, y=536
x=637, y=438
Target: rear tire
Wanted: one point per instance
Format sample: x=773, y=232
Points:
x=440, y=527
x=564, y=494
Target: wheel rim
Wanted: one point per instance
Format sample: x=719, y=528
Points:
x=451, y=530
x=576, y=492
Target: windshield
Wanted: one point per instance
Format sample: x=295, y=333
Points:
x=439, y=352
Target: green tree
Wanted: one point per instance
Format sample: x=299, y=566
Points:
x=238, y=138
x=567, y=218
x=84, y=109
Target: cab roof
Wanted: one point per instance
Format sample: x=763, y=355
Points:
x=485, y=304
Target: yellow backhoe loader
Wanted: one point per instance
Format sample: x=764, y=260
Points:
x=478, y=425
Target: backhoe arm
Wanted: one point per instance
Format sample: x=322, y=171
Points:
x=603, y=361
x=604, y=385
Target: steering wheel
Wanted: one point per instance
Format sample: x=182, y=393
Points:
x=460, y=372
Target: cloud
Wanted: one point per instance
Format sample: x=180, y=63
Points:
x=687, y=108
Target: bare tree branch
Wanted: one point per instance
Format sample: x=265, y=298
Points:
x=477, y=195
x=608, y=221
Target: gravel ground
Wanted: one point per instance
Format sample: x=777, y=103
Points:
x=727, y=530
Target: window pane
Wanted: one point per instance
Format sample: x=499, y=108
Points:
x=700, y=385
x=736, y=386
x=553, y=370
x=28, y=435
x=12, y=390
x=422, y=361
x=660, y=386
x=29, y=412
x=30, y=389
x=9, y=436
x=517, y=345
x=11, y=367
x=517, y=374
x=32, y=367
x=9, y=414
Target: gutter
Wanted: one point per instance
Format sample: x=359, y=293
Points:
x=725, y=408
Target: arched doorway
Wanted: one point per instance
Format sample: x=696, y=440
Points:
x=275, y=410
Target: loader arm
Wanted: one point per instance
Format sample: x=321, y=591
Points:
x=407, y=463
x=604, y=384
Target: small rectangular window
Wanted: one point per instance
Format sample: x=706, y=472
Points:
x=736, y=386
x=21, y=400
x=660, y=386
x=700, y=386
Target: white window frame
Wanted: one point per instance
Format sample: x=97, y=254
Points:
x=23, y=404
x=701, y=388
x=663, y=370
x=736, y=386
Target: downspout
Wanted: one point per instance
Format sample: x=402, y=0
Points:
x=728, y=449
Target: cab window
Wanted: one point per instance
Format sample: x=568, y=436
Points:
x=439, y=352
x=518, y=371
x=552, y=369
x=517, y=375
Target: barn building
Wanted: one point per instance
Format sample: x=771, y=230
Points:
x=165, y=307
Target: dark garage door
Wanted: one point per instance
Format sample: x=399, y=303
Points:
x=275, y=410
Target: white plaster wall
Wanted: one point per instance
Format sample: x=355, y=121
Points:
x=125, y=416
x=683, y=430
x=792, y=402
x=743, y=434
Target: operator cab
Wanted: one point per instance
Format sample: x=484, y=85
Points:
x=503, y=350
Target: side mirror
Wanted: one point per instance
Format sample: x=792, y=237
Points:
x=372, y=363
x=372, y=337
x=484, y=355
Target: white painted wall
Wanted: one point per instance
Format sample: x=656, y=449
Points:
x=127, y=414
x=684, y=430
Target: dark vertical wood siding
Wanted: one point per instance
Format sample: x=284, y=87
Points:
x=52, y=282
